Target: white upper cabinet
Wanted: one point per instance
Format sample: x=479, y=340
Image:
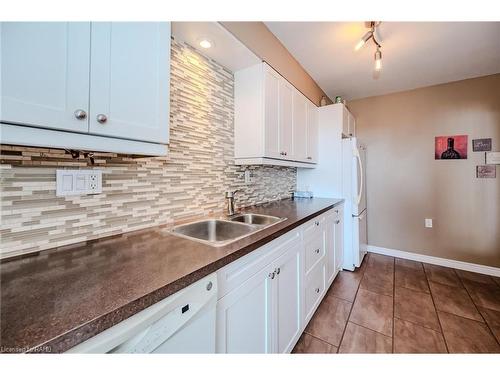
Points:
x=271, y=120
x=300, y=116
x=351, y=125
x=271, y=114
x=312, y=133
x=347, y=119
x=129, y=82
x=45, y=74
x=106, y=84
x=286, y=120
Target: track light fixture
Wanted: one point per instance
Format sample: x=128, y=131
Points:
x=371, y=35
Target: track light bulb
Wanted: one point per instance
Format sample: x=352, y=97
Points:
x=378, y=60
x=363, y=40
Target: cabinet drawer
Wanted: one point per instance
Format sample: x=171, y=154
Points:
x=314, y=251
x=314, y=290
x=314, y=228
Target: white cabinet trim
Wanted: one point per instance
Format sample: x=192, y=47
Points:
x=38, y=137
x=269, y=161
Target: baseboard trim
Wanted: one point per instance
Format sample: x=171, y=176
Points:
x=479, y=268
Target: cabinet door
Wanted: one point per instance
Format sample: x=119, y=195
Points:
x=331, y=266
x=288, y=299
x=339, y=238
x=271, y=113
x=130, y=80
x=244, y=316
x=345, y=120
x=45, y=74
x=312, y=133
x=300, y=114
x=352, y=125
x=286, y=119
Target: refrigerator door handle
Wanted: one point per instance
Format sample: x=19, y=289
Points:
x=360, y=164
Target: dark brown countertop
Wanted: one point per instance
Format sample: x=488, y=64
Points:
x=61, y=297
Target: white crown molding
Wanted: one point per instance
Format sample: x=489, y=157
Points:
x=472, y=267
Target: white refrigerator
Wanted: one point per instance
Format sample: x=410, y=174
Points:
x=354, y=193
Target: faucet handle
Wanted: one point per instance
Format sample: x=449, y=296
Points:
x=230, y=194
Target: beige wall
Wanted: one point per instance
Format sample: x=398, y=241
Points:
x=261, y=41
x=406, y=184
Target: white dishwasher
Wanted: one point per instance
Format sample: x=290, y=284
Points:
x=181, y=323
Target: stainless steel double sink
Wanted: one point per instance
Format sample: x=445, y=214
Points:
x=219, y=232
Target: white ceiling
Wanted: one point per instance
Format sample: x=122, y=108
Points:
x=414, y=54
x=226, y=49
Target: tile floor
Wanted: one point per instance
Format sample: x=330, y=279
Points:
x=392, y=305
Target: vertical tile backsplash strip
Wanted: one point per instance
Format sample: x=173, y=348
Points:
x=139, y=192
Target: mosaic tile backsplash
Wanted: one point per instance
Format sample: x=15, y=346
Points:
x=139, y=192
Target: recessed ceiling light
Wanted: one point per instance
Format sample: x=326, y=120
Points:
x=205, y=43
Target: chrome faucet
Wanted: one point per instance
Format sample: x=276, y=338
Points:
x=230, y=201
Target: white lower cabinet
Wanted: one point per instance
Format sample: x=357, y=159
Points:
x=262, y=314
x=244, y=317
x=288, y=299
x=314, y=290
x=267, y=297
x=334, y=242
x=339, y=239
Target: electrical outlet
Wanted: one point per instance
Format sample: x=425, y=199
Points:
x=78, y=182
x=248, y=176
x=428, y=223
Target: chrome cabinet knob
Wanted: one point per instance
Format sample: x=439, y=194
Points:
x=316, y=223
x=309, y=158
x=209, y=285
x=80, y=114
x=101, y=119
x=278, y=271
x=271, y=275
x=317, y=290
x=337, y=221
x=317, y=251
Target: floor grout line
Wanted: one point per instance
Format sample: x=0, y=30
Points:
x=371, y=329
x=352, y=306
x=320, y=339
x=436, y=310
x=479, y=311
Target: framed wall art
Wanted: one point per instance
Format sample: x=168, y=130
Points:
x=483, y=144
x=486, y=171
x=450, y=147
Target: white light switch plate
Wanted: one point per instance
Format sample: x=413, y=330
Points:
x=78, y=182
x=428, y=223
